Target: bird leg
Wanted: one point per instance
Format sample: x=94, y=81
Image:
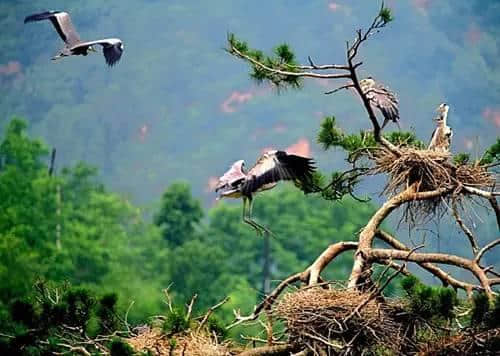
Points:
x=246, y=218
x=262, y=228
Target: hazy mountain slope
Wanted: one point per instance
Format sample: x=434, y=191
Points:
x=178, y=107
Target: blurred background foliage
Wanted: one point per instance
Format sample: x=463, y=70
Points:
x=105, y=244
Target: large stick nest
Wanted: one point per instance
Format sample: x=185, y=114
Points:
x=431, y=170
x=428, y=171
x=466, y=343
x=330, y=320
x=156, y=342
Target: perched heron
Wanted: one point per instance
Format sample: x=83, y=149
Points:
x=381, y=98
x=112, y=47
x=441, y=137
x=271, y=167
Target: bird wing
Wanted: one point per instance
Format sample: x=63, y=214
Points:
x=62, y=23
x=385, y=101
x=433, y=141
x=112, y=49
x=275, y=166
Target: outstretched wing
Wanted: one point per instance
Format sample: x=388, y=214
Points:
x=274, y=166
x=385, y=100
x=62, y=23
x=112, y=49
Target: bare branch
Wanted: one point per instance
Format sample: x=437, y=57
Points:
x=347, y=86
x=496, y=209
x=485, y=249
x=276, y=350
x=266, y=303
x=209, y=312
x=286, y=73
x=126, y=315
x=480, y=192
x=445, y=277
x=190, y=307
x=169, y=299
x=325, y=258
x=368, y=233
x=313, y=66
x=376, y=254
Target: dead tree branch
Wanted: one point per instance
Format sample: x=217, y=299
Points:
x=375, y=254
x=446, y=278
x=368, y=233
x=266, y=303
x=277, y=350
x=496, y=209
x=485, y=249
x=312, y=273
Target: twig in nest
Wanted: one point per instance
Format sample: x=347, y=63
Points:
x=169, y=299
x=209, y=312
x=190, y=307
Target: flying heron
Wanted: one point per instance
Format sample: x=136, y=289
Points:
x=112, y=47
x=381, y=98
x=271, y=167
x=441, y=137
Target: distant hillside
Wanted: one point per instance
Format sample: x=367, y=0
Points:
x=178, y=107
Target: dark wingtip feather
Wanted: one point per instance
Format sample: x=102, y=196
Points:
x=112, y=55
x=40, y=16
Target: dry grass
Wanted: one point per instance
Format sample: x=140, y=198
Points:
x=186, y=343
x=327, y=320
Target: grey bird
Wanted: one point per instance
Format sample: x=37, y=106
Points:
x=442, y=134
x=74, y=46
x=271, y=167
x=382, y=99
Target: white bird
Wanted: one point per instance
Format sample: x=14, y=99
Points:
x=381, y=98
x=271, y=167
x=112, y=47
x=442, y=134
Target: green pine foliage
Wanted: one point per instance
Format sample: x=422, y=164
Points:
x=427, y=301
x=480, y=307
x=386, y=14
x=215, y=325
x=282, y=60
x=330, y=136
x=492, y=154
x=50, y=312
x=494, y=314
x=485, y=314
x=107, y=313
x=461, y=158
x=120, y=348
x=176, y=321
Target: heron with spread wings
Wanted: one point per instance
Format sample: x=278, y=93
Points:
x=381, y=98
x=271, y=167
x=74, y=46
x=441, y=137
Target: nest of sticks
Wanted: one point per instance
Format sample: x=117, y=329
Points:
x=332, y=321
x=156, y=342
x=427, y=170
x=467, y=343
